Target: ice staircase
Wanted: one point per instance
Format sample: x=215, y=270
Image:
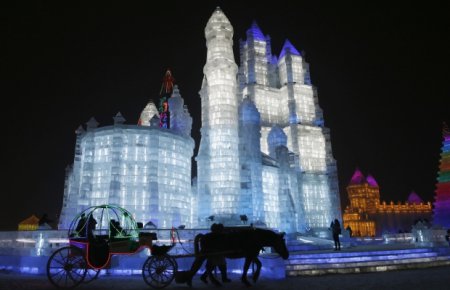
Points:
x=364, y=259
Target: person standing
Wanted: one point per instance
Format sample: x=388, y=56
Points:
x=336, y=230
x=349, y=230
x=91, y=224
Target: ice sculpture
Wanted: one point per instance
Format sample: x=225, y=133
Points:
x=293, y=185
x=180, y=119
x=218, y=158
x=148, y=113
x=282, y=92
x=252, y=197
x=264, y=152
x=441, y=213
x=145, y=169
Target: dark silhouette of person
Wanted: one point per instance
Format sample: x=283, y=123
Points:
x=216, y=260
x=350, y=232
x=80, y=229
x=336, y=230
x=91, y=224
x=114, y=228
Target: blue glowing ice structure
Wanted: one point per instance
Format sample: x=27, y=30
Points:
x=144, y=169
x=264, y=156
x=219, y=182
x=292, y=186
x=282, y=92
x=252, y=201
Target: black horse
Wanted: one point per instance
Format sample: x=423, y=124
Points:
x=236, y=243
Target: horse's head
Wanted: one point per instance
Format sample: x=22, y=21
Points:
x=280, y=246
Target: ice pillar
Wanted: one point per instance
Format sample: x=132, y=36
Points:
x=218, y=159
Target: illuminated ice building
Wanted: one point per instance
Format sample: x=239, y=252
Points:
x=145, y=168
x=264, y=156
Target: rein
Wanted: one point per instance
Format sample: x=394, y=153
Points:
x=181, y=244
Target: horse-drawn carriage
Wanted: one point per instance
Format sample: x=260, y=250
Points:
x=100, y=232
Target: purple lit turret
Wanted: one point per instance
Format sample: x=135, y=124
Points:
x=371, y=181
x=414, y=198
x=357, y=178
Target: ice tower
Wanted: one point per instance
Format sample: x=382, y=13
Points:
x=441, y=214
x=264, y=152
x=218, y=160
x=282, y=92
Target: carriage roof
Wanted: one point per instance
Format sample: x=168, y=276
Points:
x=109, y=219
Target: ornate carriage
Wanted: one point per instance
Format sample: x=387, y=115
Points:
x=98, y=233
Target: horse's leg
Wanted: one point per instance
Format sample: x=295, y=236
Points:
x=258, y=269
x=210, y=268
x=198, y=262
x=204, y=276
x=223, y=273
x=244, y=280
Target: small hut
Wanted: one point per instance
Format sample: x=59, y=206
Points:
x=29, y=224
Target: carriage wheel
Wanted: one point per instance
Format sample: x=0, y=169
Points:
x=159, y=271
x=66, y=267
x=91, y=275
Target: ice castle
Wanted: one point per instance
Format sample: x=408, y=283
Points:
x=264, y=157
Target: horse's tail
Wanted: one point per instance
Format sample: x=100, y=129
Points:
x=197, y=243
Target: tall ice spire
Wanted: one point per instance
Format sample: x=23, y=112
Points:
x=218, y=158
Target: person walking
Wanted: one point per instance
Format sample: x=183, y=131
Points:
x=216, y=260
x=336, y=231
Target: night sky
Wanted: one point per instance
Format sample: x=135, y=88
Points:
x=382, y=74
